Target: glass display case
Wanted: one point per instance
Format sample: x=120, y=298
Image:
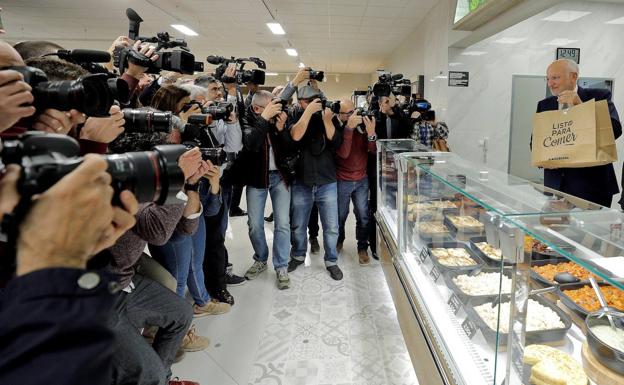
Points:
x=482, y=256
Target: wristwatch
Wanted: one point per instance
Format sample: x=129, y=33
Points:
x=191, y=186
x=372, y=138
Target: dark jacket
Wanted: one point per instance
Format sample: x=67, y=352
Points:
x=317, y=165
x=596, y=184
x=257, y=132
x=401, y=125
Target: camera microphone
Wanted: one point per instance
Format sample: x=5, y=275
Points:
x=216, y=60
x=397, y=76
x=84, y=55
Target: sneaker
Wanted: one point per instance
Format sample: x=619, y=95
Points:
x=364, y=257
x=194, y=343
x=223, y=296
x=283, y=281
x=269, y=218
x=293, y=264
x=213, y=307
x=177, y=381
x=234, y=280
x=335, y=272
x=314, y=246
x=255, y=270
x=338, y=247
x=180, y=354
x=375, y=256
x=237, y=212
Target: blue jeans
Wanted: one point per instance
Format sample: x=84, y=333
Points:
x=183, y=257
x=358, y=191
x=256, y=200
x=302, y=197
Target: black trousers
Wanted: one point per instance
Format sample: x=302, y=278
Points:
x=215, y=255
x=313, y=222
x=237, y=194
x=372, y=201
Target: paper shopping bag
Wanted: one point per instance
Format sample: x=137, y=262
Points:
x=605, y=141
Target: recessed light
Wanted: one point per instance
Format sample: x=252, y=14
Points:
x=619, y=20
x=560, y=42
x=291, y=51
x=271, y=74
x=509, y=40
x=473, y=53
x=566, y=16
x=276, y=28
x=184, y=29
x=301, y=65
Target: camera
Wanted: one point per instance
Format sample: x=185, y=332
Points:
x=283, y=102
x=93, y=94
x=216, y=155
x=219, y=111
x=392, y=84
x=365, y=113
x=333, y=106
x=243, y=76
x=317, y=75
x=423, y=107
x=153, y=176
x=142, y=120
x=178, y=60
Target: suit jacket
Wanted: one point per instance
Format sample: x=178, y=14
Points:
x=401, y=126
x=595, y=184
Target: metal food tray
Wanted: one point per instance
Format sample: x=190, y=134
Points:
x=466, y=298
x=448, y=245
x=541, y=262
x=532, y=337
x=489, y=260
x=570, y=304
x=463, y=232
x=433, y=237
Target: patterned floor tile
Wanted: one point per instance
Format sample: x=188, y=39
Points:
x=335, y=339
x=267, y=373
x=301, y=372
x=399, y=370
x=336, y=371
x=368, y=369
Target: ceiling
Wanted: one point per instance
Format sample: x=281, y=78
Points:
x=337, y=36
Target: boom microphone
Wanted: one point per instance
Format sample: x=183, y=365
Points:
x=84, y=55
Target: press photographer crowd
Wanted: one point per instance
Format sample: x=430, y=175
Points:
x=120, y=172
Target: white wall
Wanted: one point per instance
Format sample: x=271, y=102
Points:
x=343, y=89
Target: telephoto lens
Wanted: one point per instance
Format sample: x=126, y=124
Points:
x=145, y=121
x=200, y=119
x=220, y=111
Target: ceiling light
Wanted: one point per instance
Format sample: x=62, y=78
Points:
x=301, y=65
x=509, y=40
x=271, y=74
x=473, y=53
x=455, y=64
x=291, y=51
x=276, y=28
x=441, y=77
x=566, y=16
x=560, y=42
x=616, y=21
x=184, y=29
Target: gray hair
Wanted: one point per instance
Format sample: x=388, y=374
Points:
x=261, y=98
x=194, y=90
x=571, y=65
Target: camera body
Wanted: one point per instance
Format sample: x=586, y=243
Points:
x=243, y=76
x=317, y=75
x=333, y=106
x=153, y=176
x=423, y=107
x=283, y=102
x=219, y=111
x=216, y=155
x=392, y=84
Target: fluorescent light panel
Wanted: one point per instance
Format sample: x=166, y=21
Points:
x=271, y=74
x=276, y=28
x=455, y=64
x=510, y=40
x=473, y=53
x=560, y=42
x=184, y=29
x=291, y=52
x=619, y=20
x=566, y=16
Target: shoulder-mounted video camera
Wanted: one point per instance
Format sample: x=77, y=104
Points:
x=179, y=59
x=392, y=84
x=243, y=76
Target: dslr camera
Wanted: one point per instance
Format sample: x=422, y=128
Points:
x=422, y=106
x=392, y=84
x=242, y=76
x=219, y=111
x=333, y=106
x=179, y=59
x=317, y=75
x=153, y=176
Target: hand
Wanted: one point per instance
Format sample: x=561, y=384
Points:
x=136, y=71
x=214, y=177
x=354, y=121
x=58, y=122
x=328, y=115
x=230, y=71
x=280, y=121
x=385, y=105
x=313, y=107
x=123, y=220
x=201, y=171
x=190, y=162
x=194, y=110
x=14, y=94
x=170, y=77
x=121, y=41
x=369, y=123
x=415, y=115
x=569, y=97
x=302, y=75
x=70, y=221
x=271, y=110
x=9, y=197
x=104, y=130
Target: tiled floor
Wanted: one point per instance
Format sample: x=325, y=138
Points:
x=319, y=332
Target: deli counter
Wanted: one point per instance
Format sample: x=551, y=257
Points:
x=495, y=278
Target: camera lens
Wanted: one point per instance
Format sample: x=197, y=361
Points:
x=138, y=120
x=119, y=90
x=200, y=119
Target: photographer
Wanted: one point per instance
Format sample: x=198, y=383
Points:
x=318, y=135
x=427, y=130
x=394, y=124
x=268, y=144
x=358, y=140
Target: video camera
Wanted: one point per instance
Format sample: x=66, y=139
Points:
x=178, y=60
x=422, y=106
x=93, y=94
x=395, y=84
x=243, y=76
x=153, y=176
x=146, y=121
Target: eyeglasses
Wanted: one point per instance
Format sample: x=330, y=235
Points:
x=346, y=113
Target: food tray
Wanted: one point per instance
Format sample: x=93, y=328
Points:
x=463, y=232
x=466, y=298
x=570, y=304
x=532, y=337
x=489, y=260
x=448, y=245
x=541, y=262
x=433, y=237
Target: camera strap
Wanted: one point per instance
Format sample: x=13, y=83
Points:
x=10, y=227
x=135, y=57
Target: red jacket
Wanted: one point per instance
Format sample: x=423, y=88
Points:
x=352, y=156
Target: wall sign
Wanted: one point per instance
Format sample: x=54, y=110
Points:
x=573, y=54
x=458, y=79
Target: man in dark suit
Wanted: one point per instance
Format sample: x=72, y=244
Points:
x=596, y=184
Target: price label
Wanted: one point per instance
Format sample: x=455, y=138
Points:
x=435, y=273
x=454, y=303
x=469, y=328
x=423, y=255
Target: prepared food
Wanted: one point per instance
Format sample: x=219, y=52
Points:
x=465, y=222
x=432, y=228
x=441, y=205
x=552, y=366
x=539, y=317
x=489, y=250
x=483, y=284
x=453, y=257
x=612, y=337
x=549, y=270
x=585, y=297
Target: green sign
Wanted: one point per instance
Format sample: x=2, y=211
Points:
x=474, y=4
